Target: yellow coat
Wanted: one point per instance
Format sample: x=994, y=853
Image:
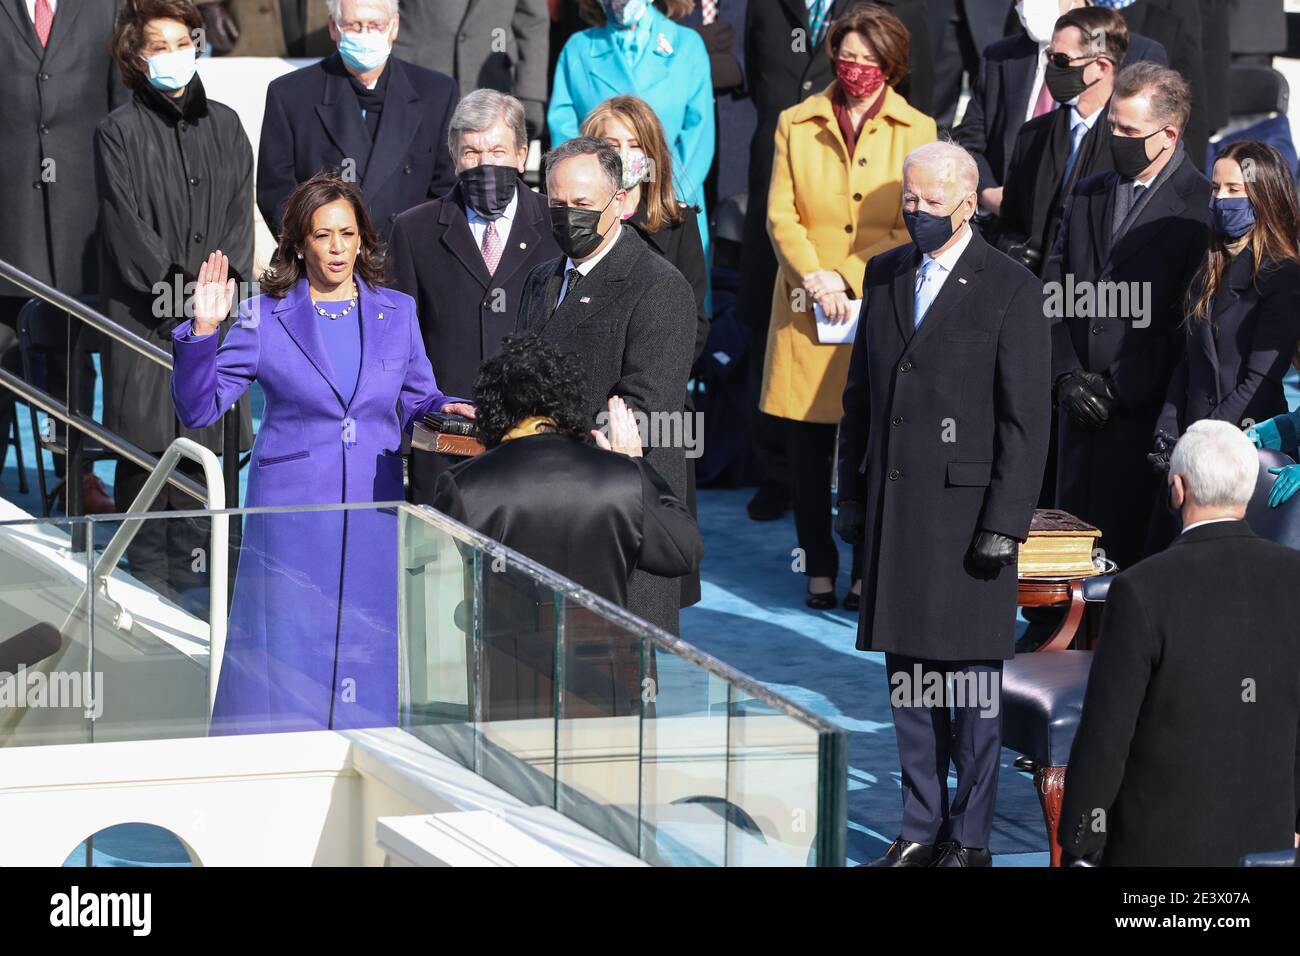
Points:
x=825, y=212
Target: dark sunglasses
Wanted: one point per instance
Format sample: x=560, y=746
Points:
x=1063, y=61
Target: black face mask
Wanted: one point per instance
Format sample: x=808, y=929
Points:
x=577, y=231
x=488, y=189
x=1066, y=82
x=1129, y=154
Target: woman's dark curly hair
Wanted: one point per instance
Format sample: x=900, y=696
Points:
x=528, y=377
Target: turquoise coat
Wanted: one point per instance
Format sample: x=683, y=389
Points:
x=673, y=76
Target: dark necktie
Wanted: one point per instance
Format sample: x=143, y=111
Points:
x=1138, y=190
x=574, y=277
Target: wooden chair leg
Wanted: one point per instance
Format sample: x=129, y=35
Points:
x=1063, y=636
x=1050, y=782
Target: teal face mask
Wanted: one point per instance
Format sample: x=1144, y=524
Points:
x=364, y=52
x=172, y=71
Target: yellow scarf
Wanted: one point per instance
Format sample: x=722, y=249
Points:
x=532, y=425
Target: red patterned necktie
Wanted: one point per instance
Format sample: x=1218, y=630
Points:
x=708, y=12
x=44, y=18
x=491, y=248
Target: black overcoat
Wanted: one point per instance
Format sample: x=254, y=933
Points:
x=944, y=433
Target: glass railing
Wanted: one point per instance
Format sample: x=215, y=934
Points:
x=393, y=615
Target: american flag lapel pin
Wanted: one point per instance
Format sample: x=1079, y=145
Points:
x=584, y=299
x=961, y=280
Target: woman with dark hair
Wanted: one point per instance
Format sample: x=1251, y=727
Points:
x=174, y=174
x=1243, y=306
x=340, y=359
x=833, y=204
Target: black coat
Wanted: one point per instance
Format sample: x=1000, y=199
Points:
x=1000, y=98
x=1036, y=187
x=1103, y=476
x=590, y=515
x=51, y=100
x=1233, y=365
x=1176, y=25
x=632, y=325
x=464, y=312
x=173, y=187
x=1186, y=753
x=944, y=433
x=779, y=77
x=312, y=122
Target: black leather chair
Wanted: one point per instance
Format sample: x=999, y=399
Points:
x=1042, y=692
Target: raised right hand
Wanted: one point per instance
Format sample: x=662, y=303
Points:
x=214, y=293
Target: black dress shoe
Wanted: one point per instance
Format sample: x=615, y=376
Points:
x=823, y=601
x=851, y=601
x=906, y=853
x=954, y=854
x=770, y=502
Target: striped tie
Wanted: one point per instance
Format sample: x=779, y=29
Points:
x=818, y=15
x=491, y=248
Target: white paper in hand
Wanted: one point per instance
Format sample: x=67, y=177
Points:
x=829, y=333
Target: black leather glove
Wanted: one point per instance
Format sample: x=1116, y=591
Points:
x=990, y=552
x=1104, y=389
x=220, y=26
x=1163, y=451
x=1086, y=408
x=851, y=521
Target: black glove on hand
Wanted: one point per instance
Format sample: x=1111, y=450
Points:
x=990, y=551
x=1164, y=450
x=1086, y=408
x=220, y=26
x=1104, y=389
x=851, y=521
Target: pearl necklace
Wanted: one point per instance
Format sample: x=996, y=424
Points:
x=338, y=315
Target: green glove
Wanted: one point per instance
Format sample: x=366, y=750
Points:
x=1285, y=485
x=1278, y=433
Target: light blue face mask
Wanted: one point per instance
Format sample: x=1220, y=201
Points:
x=625, y=13
x=364, y=52
x=172, y=71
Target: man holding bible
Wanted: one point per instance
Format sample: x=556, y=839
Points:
x=942, y=448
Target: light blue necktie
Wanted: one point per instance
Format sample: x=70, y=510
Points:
x=926, y=289
x=818, y=19
x=1077, y=134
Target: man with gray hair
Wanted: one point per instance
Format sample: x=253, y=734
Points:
x=942, y=448
x=379, y=121
x=464, y=257
x=627, y=314
x=1186, y=752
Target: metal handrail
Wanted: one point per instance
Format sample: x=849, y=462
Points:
x=96, y=320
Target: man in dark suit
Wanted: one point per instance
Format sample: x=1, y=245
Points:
x=1060, y=148
x=628, y=315
x=784, y=65
x=1010, y=89
x=464, y=257
x=1116, y=308
x=1186, y=753
x=589, y=514
x=960, y=30
x=380, y=121
x=941, y=455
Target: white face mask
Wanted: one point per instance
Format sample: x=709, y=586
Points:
x=1038, y=17
x=172, y=71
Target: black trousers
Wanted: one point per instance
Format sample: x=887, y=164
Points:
x=810, y=449
x=935, y=731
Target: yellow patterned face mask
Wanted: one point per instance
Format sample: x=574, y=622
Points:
x=532, y=425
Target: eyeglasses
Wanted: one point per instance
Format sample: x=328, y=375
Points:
x=1063, y=61
x=355, y=26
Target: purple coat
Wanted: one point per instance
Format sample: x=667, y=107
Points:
x=312, y=641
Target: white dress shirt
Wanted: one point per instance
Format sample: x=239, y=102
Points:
x=947, y=260
x=586, y=267
x=478, y=225
x=1037, y=87
x=1197, y=524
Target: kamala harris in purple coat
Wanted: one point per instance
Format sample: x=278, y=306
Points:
x=312, y=641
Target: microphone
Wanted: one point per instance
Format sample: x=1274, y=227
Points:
x=29, y=646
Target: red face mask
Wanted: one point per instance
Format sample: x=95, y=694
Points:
x=858, y=79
